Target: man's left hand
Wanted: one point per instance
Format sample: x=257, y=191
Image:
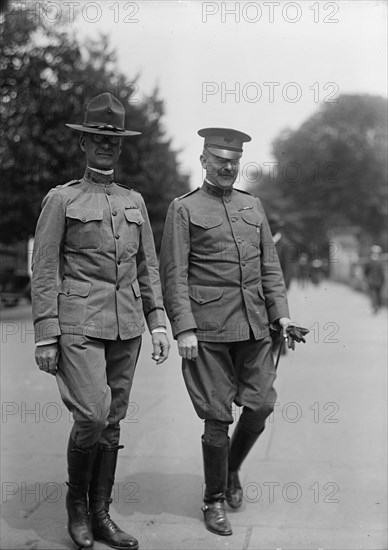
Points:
x=294, y=333
x=161, y=347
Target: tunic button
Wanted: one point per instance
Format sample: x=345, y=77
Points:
x=118, y=262
x=84, y=219
x=114, y=213
x=68, y=292
x=117, y=287
x=244, y=286
x=117, y=236
x=242, y=263
x=201, y=300
x=107, y=192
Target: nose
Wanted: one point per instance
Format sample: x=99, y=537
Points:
x=228, y=165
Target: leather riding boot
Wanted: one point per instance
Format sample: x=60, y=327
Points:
x=241, y=443
x=215, y=463
x=79, y=467
x=104, y=528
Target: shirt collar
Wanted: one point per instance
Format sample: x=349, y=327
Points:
x=214, y=190
x=102, y=177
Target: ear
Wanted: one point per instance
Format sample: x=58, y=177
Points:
x=203, y=159
x=81, y=142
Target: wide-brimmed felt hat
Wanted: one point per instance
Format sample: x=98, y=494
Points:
x=224, y=142
x=104, y=115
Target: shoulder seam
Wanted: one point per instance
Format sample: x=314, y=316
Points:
x=128, y=188
x=64, y=185
x=187, y=194
x=243, y=191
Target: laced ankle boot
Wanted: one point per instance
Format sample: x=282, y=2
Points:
x=241, y=443
x=80, y=464
x=215, y=463
x=104, y=528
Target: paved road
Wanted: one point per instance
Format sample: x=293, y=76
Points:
x=316, y=479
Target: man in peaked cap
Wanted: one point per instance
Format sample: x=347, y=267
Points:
x=223, y=286
x=95, y=234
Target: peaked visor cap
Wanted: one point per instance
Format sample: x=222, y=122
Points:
x=104, y=115
x=224, y=142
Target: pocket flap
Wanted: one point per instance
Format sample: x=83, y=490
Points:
x=71, y=287
x=133, y=215
x=206, y=222
x=205, y=294
x=84, y=214
x=136, y=289
x=252, y=218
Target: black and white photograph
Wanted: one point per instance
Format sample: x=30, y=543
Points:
x=194, y=275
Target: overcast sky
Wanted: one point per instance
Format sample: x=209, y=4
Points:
x=255, y=66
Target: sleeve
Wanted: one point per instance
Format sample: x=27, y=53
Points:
x=272, y=279
x=174, y=261
x=46, y=256
x=148, y=276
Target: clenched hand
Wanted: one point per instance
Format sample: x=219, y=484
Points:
x=46, y=357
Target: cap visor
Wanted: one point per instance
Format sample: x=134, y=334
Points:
x=224, y=153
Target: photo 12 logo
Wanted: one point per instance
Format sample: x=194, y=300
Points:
x=270, y=92
x=270, y=12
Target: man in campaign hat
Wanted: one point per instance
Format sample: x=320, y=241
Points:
x=95, y=278
x=223, y=286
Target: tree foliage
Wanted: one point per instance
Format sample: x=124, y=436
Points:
x=48, y=76
x=332, y=171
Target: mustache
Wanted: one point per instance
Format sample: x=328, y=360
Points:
x=224, y=172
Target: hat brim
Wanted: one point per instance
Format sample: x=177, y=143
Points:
x=88, y=130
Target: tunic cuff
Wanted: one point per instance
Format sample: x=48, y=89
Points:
x=46, y=329
x=183, y=322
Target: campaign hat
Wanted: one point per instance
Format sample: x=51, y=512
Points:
x=224, y=142
x=104, y=115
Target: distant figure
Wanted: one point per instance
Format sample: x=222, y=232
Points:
x=316, y=273
x=303, y=269
x=285, y=249
x=375, y=278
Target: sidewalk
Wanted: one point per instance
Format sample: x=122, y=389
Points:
x=316, y=478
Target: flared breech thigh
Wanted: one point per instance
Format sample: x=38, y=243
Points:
x=94, y=379
x=227, y=373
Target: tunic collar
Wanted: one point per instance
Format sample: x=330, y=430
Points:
x=214, y=190
x=96, y=176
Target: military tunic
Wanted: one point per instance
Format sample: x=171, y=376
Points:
x=219, y=267
x=95, y=269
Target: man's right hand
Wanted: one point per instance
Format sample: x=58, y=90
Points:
x=188, y=345
x=46, y=357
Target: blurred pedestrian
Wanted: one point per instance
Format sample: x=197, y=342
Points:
x=303, y=270
x=223, y=286
x=375, y=277
x=96, y=235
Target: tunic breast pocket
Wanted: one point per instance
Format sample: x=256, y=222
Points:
x=84, y=228
x=206, y=230
x=252, y=225
x=134, y=221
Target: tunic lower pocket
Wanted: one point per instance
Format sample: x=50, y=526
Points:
x=72, y=301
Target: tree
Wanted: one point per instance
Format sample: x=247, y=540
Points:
x=332, y=171
x=48, y=77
